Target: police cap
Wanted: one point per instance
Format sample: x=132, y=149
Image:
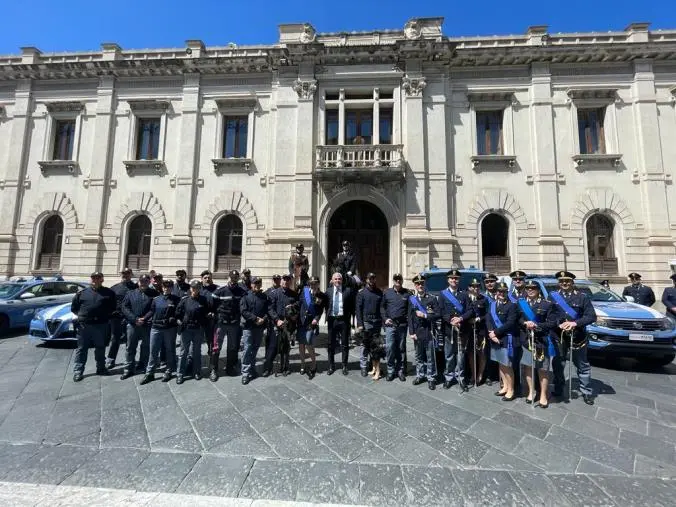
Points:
x=256, y=280
x=144, y=278
x=398, y=278
x=287, y=276
x=234, y=272
x=517, y=274
x=370, y=274
x=634, y=276
x=532, y=284
x=276, y=277
x=314, y=279
x=205, y=273
x=453, y=273
x=126, y=271
x=180, y=272
x=246, y=271
x=475, y=282
x=564, y=275
x=195, y=284
x=502, y=287
x=418, y=279
x=490, y=277
x=167, y=283
x=96, y=274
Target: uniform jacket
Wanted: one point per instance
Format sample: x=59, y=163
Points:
x=642, y=294
x=226, y=303
x=245, y=283
x=515, y=294
x=347, y=297
x=94, y=306
x=279, y=300
x=121, y=289
x=162, y=314
x=582, y=305
x=395, y=306
x=252, y=306
x=423, y=327
x=368, y=307
x=320, y=302
x=181, y=289
x=448, y=309
x=480, y=305
x=137, y=304
x=546, y=319
x=669, y=299
x=509, y=317
x=192, y=312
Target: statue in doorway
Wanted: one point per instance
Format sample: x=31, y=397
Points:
x=346, y=261
x=299, y=265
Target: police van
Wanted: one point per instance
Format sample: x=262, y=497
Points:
x=436, y=281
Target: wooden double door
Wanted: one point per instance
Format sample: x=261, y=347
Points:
x=365, y=227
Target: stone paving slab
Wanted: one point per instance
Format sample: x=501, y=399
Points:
x=335, y=439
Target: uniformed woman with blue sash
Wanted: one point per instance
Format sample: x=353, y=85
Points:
x=503, y=332
x=537, y=320
x=312, y=304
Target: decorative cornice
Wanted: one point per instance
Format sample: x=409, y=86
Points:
x=248, y=101
x=584, y=162
x=493, y=162
x=222, y=165
x=414, y=86
x=305, y=88
x=498, y=96
x=155, y=166
x=65, y=107
x=149, y=105
x=69, y=166
x=592, y=94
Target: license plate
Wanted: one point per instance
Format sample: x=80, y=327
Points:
x=641, y=337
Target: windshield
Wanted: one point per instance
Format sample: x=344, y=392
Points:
x=595, y=291
x=8, y=290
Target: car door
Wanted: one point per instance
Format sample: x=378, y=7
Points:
x=66, y=290
x=31, y=299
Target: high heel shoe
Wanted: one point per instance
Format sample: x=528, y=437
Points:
x=498, y=393
x=505, y=398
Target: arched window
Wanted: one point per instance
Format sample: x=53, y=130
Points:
x=229, y=235
x=138, y=245
x=50, y=246
x=495, y=244
x=601, y=245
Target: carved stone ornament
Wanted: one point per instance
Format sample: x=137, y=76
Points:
x=414, y=86
x=412, y=30
x=308, y=35
x=65, y=107
x=305, y=89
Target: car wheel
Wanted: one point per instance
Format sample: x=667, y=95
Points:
x=4, y=324
x=658, y=361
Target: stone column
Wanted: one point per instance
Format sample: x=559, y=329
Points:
x=14, y=178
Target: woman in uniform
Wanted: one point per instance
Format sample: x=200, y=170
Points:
x=503, y=333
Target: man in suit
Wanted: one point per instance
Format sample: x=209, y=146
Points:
x=337, y=320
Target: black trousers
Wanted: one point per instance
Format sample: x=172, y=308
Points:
x=118, y=335
x=339, y=335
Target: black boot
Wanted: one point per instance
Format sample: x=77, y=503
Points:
x=149, y=377
x=213, y=366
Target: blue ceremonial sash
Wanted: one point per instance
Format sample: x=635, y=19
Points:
x=498, y=323
x=530, y=315
x=454, y=301
x=488, y=296
x=308, y=300
x=414, y=301
x=512, y=297
x=558, y=299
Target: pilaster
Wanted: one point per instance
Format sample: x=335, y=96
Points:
x=305, y=87
x=416, y=201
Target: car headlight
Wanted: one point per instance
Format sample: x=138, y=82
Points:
x=602, y=322
x=666, y=324
x=39, y=316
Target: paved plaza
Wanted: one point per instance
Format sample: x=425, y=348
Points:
x=336, y=439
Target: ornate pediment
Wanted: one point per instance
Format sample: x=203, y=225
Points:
x=247, y=102
x=65, y=107
x=607, y=95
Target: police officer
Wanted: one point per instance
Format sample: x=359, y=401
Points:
x=134, y=308
x=642, y=294
x=276, y=284
x=156, y=281
x=423, y=311
x=490, y=282
x=226, y=306
x=255, y=309
x=456, y=315
x=191, y=315
x=477, y=343
x=118, y=329
x=181, y=287
x=370, y=322
x=246, y=279
x=312, y=304
x=574, y=313
x=394, y=311
x=337, y=319
x=93, y=307
x=669, y=298
x=537, y=321
x=162, y=316
x=280, y=299
x=518, y=286
x=208, y=288
x=503, y=333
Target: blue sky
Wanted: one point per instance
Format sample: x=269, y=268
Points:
x=78, y=25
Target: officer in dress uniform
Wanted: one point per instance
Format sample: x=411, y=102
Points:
x=642, y=294
x=163, y=327
x=135, y=306
x=93, y=307
x=370, y=322
x=181, y=287
x=299, y=266
x=117, y=324
x=518, y=288
x=279, y=301
x=394, y=311
x=456, y=316
x=490, y=283
x=477, y=358
x=423, y=312
x=537, y=321
x=312, y=303
x=255, y=309
x=191, y=315
x=503, y=333
x=574, y=313
x=226, y=306
x=669, y=298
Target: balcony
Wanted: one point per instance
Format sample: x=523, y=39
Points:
x=367, y=163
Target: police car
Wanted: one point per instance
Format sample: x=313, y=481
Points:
x=622, y=328
x=53, y=323
x=21, y=298
x=436, y=281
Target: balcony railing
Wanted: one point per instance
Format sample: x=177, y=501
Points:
x=360, y=161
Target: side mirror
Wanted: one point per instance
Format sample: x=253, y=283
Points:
x=27, y=295
x=629, y=299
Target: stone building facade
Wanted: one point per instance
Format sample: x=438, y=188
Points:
x=539, y=151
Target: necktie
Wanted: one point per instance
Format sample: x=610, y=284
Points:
x=336, y=303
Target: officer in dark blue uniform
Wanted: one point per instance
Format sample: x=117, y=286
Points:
x=490, y=282
x=394, y=311
x=370, y=323
x=134, y=308
x=279, y=301
x=669, y=298
x=517, y=290
x=245, y=282
x=93, y=307
x=163, y=328
x=226, y=301
x=477, y=357
x=503, y=333
x=574, y=313
x=181, y=287
x=208, y=288
x=255, y=308
x=118, y=326
x=191, y=314
x=456, y=316
x=642, y=294
x=423, y=312
x=537, y=320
